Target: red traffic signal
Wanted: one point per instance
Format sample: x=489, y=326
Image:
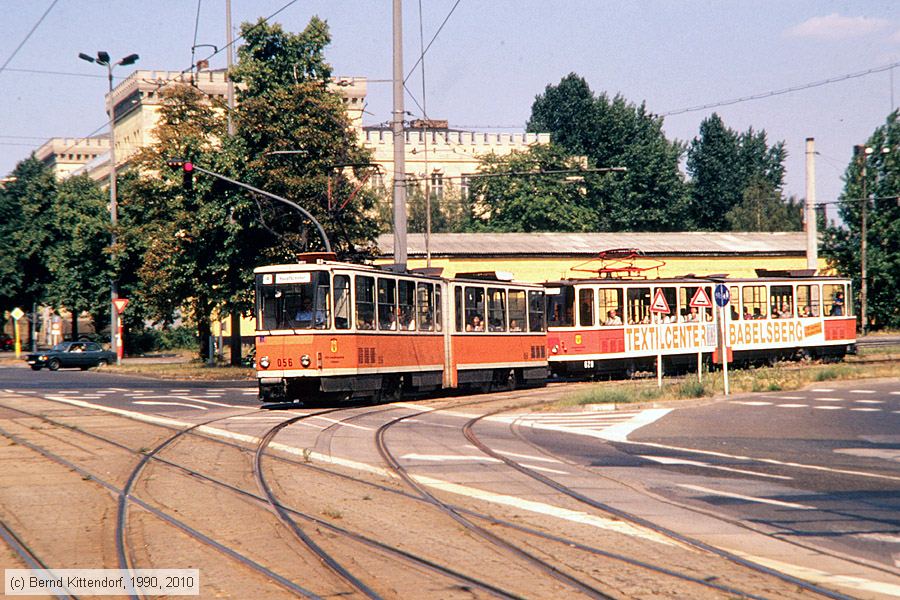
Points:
x=187, y=170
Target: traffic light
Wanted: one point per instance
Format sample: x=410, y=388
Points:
x=187, y=171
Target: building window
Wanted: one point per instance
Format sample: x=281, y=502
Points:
x=464, y=187
x=437, y=185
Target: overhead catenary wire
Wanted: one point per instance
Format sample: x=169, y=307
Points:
x=28, y=36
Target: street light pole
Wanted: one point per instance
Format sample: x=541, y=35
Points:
x=862, y=154
x=104, y=60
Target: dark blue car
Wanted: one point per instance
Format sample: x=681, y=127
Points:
x=81, y=355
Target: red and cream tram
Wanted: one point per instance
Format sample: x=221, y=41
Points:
x=621, y=325
x=328, y=329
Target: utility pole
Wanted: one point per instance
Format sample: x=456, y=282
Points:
x=862, y=154
x=812, y=244
x=235, y=358
x=399, y=195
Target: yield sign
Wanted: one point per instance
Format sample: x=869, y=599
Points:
x=701, y=299
x=120, y=304
x=659, y=302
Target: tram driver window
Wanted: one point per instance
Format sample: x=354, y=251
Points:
x=561, y=307
x=586, y=307
x=365, y=302
x=474, y=308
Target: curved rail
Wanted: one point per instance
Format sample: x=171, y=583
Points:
x=631, y=518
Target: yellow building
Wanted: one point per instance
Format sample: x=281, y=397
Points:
x=68, y=155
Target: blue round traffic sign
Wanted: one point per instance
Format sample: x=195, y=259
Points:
x=722, y=295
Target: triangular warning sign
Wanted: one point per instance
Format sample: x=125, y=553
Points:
x=701, y=299
x=120, y=304
x=659, y=302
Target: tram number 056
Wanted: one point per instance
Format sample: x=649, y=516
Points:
x=588, y=364
x=285, y=362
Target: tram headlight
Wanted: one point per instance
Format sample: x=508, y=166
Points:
x=264, y=362
x=304, y=360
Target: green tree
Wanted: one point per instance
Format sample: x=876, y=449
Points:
x=763, y=209
x=612, y=132
x=724, y=164
x=26, y=205
x=518, y=192
x=78, y=257
x=841, y=245
x=286, y=105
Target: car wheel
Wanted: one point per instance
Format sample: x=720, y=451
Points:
x=53, y=365
x=35, y=368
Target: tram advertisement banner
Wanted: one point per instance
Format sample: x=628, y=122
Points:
x=671, y=338
x=768, y=333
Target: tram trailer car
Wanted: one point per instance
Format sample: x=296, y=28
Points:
x=333, y=330
x=619, y=326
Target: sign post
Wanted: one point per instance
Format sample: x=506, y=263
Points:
x=723, y=296
x=659, y=306
x=17, y=314
x=701, y=300
x=120, y=303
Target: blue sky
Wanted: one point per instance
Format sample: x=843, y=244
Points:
x=492, y=58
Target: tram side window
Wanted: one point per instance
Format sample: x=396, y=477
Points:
x=518, y=308
x=586, y=307
x=808, y=300
x=638, y=305
x=670, y=294
x=536, y=303
x=407, y=300
x=561, y=307
x=609, y=301
x=425, y=303
x=458, y=304
x=365, y=302
x=834, y=300
x=755, y=305
x=342, y=302
x=686, y=312
x=781, y=299
x=735, y=302
x=474, y=308
x=387, y=304
x=496, y=309
x=438, y=311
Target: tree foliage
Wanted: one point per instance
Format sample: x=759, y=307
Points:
x=612, y=132
x=725, y=166
x=763, y=209
x=880, y=171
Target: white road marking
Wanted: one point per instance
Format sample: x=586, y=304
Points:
x=829, y=399
x=450, y=458
x=250, y=393
x=866, y=409
x=668, y=460
x=704, y=490
x=430, y=424
x=862, y=391
x=536, y=507
x=869, y=401
x=892, y=454
x=793, y=406
x=528, y=456
x=895, y=393
x=829, y=407
x=546, y=470
x=880, y=537
x=179, y=391
x=153, y=403
x=858, y=584
x=193, y=399
x=621, y=431
x=344, y=424
x=752, y=403
x=788, y=397
x=822, y=390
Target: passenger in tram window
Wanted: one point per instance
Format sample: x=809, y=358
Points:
x=747, y=314
x=477, y=324
x=387, y=319
x=693, y=316
x=613, y=318
x=645, y=320
x=734, y=313
x=785, y=312
x=514, y=325
x=837, y=305
x=407, y=322
x=805, y=312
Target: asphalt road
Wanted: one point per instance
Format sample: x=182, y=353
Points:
x=820, y=467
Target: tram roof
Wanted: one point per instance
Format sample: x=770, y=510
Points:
x=693, y=243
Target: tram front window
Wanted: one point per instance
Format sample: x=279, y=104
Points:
x=293, y=300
